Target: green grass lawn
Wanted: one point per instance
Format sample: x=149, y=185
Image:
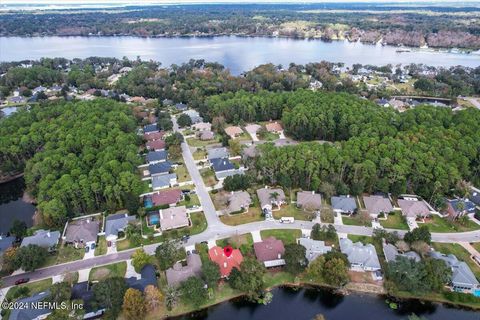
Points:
x=460, y=252
x=395, y=220
x=269, y=136
x=354, y=221
x=208, y=176
x=123, y=245
x=194, y=142
x=199, y=223
x=182, y=173
x=101, y=247
x=438, y=224
x=288, y=236
x=108, y=271
x=199, y=154
x=64, y=254
x=33, y=287
x=237, y=241
x=290, y=210
x=253, y=214
x=277, y=278
x=194, y=201
x=362, y=239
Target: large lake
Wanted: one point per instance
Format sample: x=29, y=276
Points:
x=12, y=207
x=304, y=304
x=236, y=53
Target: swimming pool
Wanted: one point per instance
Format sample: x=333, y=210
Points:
x=153, y=218
x=147, y=202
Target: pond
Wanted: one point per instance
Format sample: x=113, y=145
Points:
x=12, y=206
x=305, y=304
x=236, y=53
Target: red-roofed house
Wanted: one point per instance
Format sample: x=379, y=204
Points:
x=225, y=263
x=154, y=136
x=270, y=251
x=155, y=145
x=169, y=197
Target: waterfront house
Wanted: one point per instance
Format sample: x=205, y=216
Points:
x=148, y=277
x=270, y=251
x=413, y=207
x=233, y=131
x=391, y=253
x=164, y=181
x=179, y=272
x=309, y=200
x=173, y=218
x=463, y=279
x=82, y=232
x=154, y=157
x=344, y=204
x=167, y=197
x=116, y=223
x=376, y=205
x=43, y=238
x=238, y=201
x=225, y=263
x=361, y=257
x=271, y=197
x=313, y=248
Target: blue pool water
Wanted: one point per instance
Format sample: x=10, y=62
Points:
x=153, y=219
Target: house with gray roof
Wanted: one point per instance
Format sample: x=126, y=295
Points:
x=116, y=223
x=267, y=198
x=344, y=204
x=361, y=257
x=148, y=277
x=179, y=272
x=314, y=248
x=159, y=168
x=82, y=232
x=475, y=198
x=238, y=201
x=43, y=238
x=391, y=253
x=376, y=205
x=174, y=218
x=460, y=207
x=181, y=106
x=194, y=116
x=29, y=311
x=413, y=207
x=223, y=174
x=217, y=153
x=463, y=279
x=164, y=181
x=154, y=157
x=309, y=200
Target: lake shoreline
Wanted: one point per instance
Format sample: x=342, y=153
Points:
x=333, y=290
x=473, y=51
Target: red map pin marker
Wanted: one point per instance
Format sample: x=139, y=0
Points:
x=228, y=251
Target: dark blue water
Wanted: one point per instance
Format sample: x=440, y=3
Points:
x=12, y=206
x=304, y=304
x=236, y=53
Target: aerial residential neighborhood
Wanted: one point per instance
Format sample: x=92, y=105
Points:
x=240, y=161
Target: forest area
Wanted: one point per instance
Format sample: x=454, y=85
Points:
x=77, y=156
x=437, y=26
x=357, y=146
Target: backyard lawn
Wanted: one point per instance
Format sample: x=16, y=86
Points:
x=101, y=247
x=288, y=236
x=395, y=220
x=108, y=271
x=253, y=214
x=291, y=210
x=460, y=252
x=182, y=173
x=438, y=224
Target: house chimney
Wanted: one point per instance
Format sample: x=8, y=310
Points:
x=279, y=256
x=225, y=265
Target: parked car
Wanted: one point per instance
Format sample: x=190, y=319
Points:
x=87, y=248
x=22, y=280
x=109, y=243
x=92, y=246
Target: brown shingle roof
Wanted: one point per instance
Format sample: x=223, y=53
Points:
x=377, y=204
x=233, y=131
x=274, y=127
x=309, y=200
x=269, y=249
x=173, y=218
x=171, y=196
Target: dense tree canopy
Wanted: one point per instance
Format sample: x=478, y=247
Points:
x=77, y=156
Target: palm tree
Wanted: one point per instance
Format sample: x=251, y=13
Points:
x=171, y=296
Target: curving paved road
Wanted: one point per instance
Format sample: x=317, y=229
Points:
x=215, y=230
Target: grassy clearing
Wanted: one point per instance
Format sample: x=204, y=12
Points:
x=101, y=247
x=253, y=214
x=182, y=173
x=438, y=224
x=108, y=271
x=460, y=252
x=291, y=210
x=288, y=236
x=395, y=220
